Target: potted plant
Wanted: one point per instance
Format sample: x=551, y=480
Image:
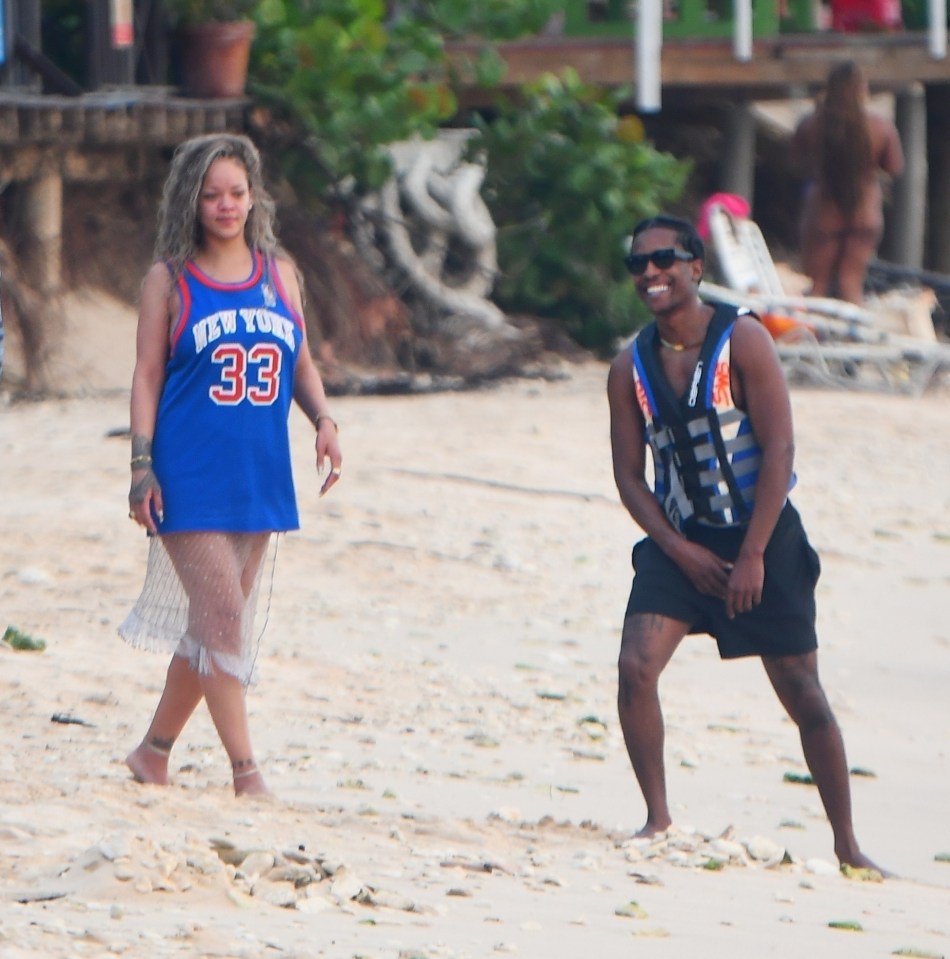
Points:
x=215, y=44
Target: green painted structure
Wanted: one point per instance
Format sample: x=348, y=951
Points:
x=686, y=19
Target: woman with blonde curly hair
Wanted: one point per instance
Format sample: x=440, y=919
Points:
x=221, y=351
x=843, y=149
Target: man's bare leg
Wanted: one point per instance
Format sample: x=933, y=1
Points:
x=647, y=645
x=795, y=680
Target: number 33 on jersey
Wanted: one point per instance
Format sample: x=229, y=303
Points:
x=229, y=385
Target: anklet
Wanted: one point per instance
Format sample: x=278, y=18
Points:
x=161, y=746
x=243, y=767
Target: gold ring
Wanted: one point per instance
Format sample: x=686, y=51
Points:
x=336, y=471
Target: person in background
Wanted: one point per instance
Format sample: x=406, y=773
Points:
x=725, y=552
x=221, y=351
x=843, y=150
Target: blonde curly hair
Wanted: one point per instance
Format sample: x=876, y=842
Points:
x=179, y=230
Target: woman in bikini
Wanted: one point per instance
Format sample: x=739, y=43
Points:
x=843, y=149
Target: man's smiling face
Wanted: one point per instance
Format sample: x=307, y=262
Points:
x=671, y=284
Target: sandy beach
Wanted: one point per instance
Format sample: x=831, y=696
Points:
x=436, y=706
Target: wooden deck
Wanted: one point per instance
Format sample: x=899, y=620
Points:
x=118, y=135
x=48, y=141
x=781, y=67
x=35, y=126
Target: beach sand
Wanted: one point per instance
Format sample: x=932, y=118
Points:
x=436, y=706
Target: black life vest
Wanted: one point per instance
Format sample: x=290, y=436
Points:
x=705, y=456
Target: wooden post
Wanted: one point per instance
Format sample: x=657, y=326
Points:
x=109, y=65
x=742, y=31
x=904, y=241
x=937, y=31
x=22, y=19
x=938, y=100
x=648, y=45
x=4, y=34
x=43, y=210
x=738, y=164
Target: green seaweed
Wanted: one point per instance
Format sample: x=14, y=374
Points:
x=802, y=778
x=17, y=639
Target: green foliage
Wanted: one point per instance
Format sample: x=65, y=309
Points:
x=487, y=19
x=566, y=183
x=347, y=83
x=566, y=178
x=205, y=11
x=63, y=26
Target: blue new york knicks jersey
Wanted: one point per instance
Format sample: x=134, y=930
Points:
x=221, y=448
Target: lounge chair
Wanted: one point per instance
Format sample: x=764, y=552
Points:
x=888, y=344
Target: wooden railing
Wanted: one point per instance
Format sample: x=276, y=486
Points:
x=686, y=19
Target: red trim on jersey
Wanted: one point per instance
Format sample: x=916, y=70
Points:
x=282, y=293
x=257, y=270
x=183, y=310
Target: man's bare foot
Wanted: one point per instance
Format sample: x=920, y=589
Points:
x=148, y=765
x=653, y=828
x=855, y=864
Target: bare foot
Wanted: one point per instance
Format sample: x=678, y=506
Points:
x=248, y=780
x=855, y=865
x=148, y=765
x=250, y=783
x=651, y=829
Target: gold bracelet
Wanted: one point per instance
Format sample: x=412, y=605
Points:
x=326, y=416
x=140, y=462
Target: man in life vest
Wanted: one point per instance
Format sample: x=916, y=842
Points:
x=725, y=552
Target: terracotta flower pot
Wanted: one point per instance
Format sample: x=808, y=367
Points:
x=215, y=57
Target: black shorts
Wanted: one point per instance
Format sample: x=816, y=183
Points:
x=783, y=624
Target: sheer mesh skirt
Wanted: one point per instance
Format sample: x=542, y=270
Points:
x=200, y=600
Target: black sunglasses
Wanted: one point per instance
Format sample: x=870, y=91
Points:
x=661, y=259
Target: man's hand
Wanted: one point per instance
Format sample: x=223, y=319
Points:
x=745, y=584
x=706, y=571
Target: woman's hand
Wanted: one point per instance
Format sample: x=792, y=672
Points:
x=145, y=499
x=328, y=448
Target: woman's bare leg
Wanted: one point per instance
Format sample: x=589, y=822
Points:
x=857, y=249
x=217, y=580
x=820, y=252
x=182, y=693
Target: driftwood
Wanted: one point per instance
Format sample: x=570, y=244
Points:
x=438, y=232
